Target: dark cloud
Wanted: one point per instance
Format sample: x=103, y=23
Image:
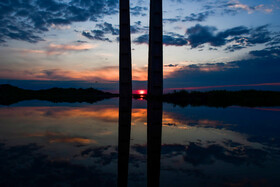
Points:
x=54, y=74
x=199, y=17
x=170, y=39
x=143, y=39
x=199, y=35
x=27, y=20
x=81, y=41
x=233, y=48
x=138, y=11
x=108, y=28
x=267, y=52
x=259, y=35
x=172, y=20
x=87, y=35
x=275, y=40
x=242, y=35
x=99, y=34
x=251, y=71
x=96, y=35
x=212, y=49
x=174, y=39
x=138, y=28
x=171, y=65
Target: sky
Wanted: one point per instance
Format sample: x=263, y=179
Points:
x=208, y=44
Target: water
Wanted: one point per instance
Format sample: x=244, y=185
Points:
x=46, y=144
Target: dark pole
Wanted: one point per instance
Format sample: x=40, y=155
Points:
x=125, y=90
x=155, y=71
x=154, y=119
x=125, y=76
x=124, y=140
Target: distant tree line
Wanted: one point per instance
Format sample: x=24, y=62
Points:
x=223, y=98
x=11, y=94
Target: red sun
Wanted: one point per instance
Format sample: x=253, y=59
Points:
x=141, y=92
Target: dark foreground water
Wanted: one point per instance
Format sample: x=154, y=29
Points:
x=45, y=144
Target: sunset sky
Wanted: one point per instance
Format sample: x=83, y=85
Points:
x=208, y=44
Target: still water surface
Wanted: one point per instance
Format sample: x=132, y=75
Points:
x=46, y=144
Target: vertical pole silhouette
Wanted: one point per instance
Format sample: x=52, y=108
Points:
x=155, y=71
x=124, y=140
x=125, y=76
x=154, y=119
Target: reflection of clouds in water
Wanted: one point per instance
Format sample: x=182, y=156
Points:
x=198, y=153
x=172, y=119
x=54, y=137
x=193, y=160
x=70, y=135
x=175, y=158
x=26, y=166
x=104, y=155
x=207, y=155
x=272, y=142
x=107, y=113
x=189, y=123
x=104, y=113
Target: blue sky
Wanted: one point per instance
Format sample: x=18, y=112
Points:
x=74, y=43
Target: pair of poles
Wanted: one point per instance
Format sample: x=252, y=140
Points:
x=155, y=89
x=155, y=62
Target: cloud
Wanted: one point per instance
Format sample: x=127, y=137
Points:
x=170, y=39
x=138, y=11
x=28, y=20
x=250, y=9
x=267, y=52
x=241, y=36
x=103, y=74
x=58, y=49
x=108, y=28
x=172, y=20
x=143, y=39
x=233, y=48
x=174, y=40
x=199, y=17
x=70, y=47
x=96, y=35
x=238, y=37
x=99, y=34
x=275, y=40
x=171, y=65
x=199, y=35
x=109, y=73
x=138, y=28
x=241, y=154
x=54, y=137
x=250, y=71
x=233, y=7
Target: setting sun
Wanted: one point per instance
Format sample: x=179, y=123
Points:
x=141, y=92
